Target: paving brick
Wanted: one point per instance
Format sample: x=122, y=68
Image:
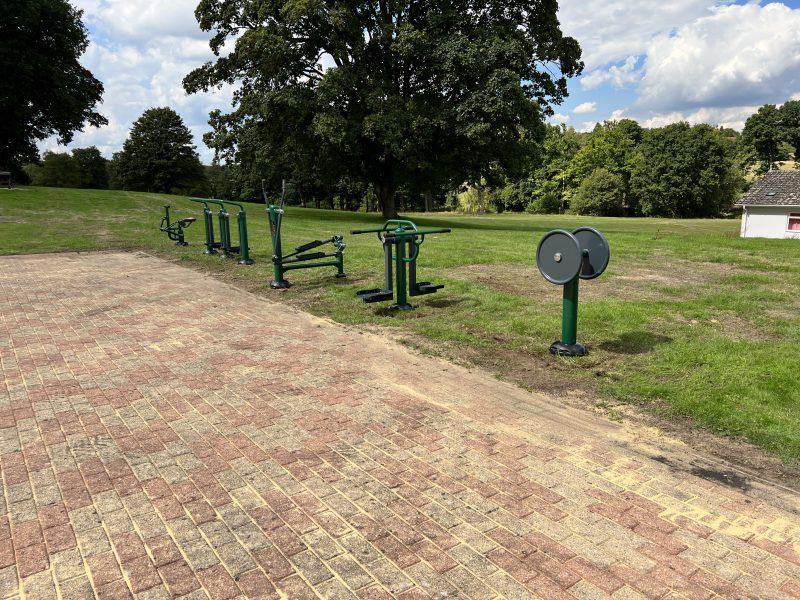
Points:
x=141, y=573
x=104, y=569
x=179, y=578
x=218, y=583
x=139, y=425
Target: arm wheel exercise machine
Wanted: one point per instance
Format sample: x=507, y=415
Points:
x=299, y=259
x=175, y=230
x=226, y=249
x=565, y=258
x=401, y=240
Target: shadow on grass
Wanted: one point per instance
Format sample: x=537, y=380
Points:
x=635, y=342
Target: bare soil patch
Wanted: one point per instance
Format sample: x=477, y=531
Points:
x=638, y=280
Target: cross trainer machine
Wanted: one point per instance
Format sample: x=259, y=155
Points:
x=226, y=249
x=175, y=230
x=401, y=240
x=565, y=258
x=299, y=259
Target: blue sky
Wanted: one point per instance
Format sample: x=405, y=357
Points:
x=656, y=61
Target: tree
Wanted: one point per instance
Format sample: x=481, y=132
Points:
x=449, y=87
x=609, y=147
x=159, y=156
x=45, y=90
x=789, y=114
x=92, y=168
x=683, y=171
x=602, y=193
x=58, y=169
x=764, y=133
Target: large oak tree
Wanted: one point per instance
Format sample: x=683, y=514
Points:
x=44, y=90
x=411, y=91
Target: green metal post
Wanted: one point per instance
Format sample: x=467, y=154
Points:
x=244, y=250
x=275, y=216
x=569, y=320
x=166, y=209
x=400, y=266
x=208, y=219
x=208, y=222
x=224, y=232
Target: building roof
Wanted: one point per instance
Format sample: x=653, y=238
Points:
x=776, y=188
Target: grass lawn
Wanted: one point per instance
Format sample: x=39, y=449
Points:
x=688, y=320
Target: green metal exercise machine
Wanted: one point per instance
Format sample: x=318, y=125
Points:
x=175, y=230
x=208, y=221
x=300, y=257
x=225, y=244
x=565, y=258
x=401, y=240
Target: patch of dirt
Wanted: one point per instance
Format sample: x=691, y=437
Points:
x=638, y=280
x=546, y=374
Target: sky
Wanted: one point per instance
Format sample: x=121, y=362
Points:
x=656, y=61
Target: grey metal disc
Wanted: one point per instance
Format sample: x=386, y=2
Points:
x=596, y=244
x=559, y=257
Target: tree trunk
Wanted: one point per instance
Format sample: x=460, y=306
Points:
x=479, y=188
x=428, y=197
x=386, y=199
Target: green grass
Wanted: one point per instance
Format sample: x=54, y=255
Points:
x=688, y=320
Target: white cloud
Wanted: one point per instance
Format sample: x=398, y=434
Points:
x=586, y=107
x=142, y=55
x=610, y=31
x=740, y=55
x=617, y=115
x=559, y=118
x=733, y=118
x=587, y=126
x=618, y=76
x=142, y=19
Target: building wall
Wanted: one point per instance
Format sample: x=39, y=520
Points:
x=768, y=222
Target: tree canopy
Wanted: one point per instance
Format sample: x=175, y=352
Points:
x=45, y=91
x=683, y=171
x=416, y=92
x=763, y=132
x=159, y=156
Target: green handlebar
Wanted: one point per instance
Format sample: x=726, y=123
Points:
x=221, y=203
x=417, y=232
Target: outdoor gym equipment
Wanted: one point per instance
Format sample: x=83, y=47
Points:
x=564, y=258
x=175, y=230
x=398, y=237
x=300, y=257
x=226, y=249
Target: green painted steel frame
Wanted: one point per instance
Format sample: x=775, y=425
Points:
x=280, y=266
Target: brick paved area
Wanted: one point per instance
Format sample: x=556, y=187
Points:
x=163, y=435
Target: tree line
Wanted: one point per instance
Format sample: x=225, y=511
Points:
x=421, y=106
x=618, y=169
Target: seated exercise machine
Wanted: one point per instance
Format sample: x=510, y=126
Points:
x=401, y=240
x=225, y=245
x=299, y=259
x=175, y=230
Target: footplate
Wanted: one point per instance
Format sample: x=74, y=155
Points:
x=375, y=295
x=424, y=287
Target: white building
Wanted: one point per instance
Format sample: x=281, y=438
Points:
x=772, y=207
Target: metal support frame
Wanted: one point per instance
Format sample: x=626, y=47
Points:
x=225, y=244
x=401, y=240
x=299, y=259
x=174, y=230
